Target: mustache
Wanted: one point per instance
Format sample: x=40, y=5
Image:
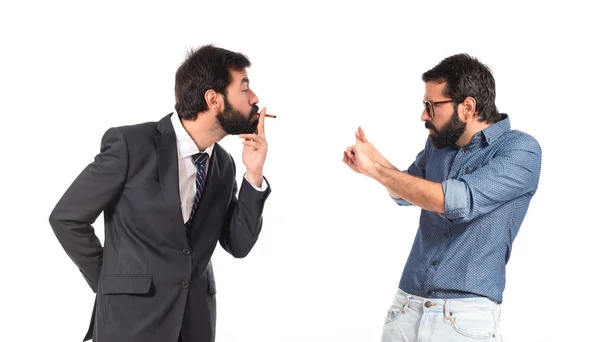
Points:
x=428, y=124
x=253, y=117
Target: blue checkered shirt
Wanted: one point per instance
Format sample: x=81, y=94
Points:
x=487, y=186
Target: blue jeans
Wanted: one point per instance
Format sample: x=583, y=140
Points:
x=417, y=319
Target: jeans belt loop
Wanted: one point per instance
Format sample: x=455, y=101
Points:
x=447, y=314
x=406, y=304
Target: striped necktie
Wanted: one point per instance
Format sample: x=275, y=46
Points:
x=200, y=162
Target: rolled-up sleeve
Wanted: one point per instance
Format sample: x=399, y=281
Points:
x=400, y=201
x=456, y=199
x=514, y=171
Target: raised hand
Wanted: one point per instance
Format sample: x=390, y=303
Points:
x=255, y=149
x=361, y=156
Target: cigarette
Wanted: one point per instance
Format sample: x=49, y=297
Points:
x=268, y=115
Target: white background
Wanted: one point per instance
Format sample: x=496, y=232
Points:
x=333, y=244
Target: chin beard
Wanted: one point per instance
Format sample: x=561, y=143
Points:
x=233, y=122
x=449, y=134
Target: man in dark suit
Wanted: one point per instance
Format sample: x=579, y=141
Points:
x=168, y=192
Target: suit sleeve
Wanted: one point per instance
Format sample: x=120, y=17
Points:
x=91, y=192
x=244, y=218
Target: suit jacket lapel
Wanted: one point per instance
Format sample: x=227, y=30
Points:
x=168, y=170
x=209, y=194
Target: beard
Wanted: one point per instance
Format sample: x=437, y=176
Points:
x=233, y=122
x=449, y=134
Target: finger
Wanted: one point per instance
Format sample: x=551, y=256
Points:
x=345, y=159
x=250, y=136
x=254, y=138
x=348, y=160
x=350, y=155
x=361, y=135
x=358, y=138
x=254, y=144
x=260, y=128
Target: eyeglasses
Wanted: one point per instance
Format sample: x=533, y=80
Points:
x=430, y=105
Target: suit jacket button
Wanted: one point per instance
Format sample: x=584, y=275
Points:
x=184, y=284
x=186, y=251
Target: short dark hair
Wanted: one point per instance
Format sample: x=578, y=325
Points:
x=205, y=68
x=465, y=76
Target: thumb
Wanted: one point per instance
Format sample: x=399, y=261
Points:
x=361, y=135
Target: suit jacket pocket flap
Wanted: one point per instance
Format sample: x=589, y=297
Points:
x=127, y=284
x=212, y=288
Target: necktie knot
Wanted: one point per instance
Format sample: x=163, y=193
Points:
x=200, y=158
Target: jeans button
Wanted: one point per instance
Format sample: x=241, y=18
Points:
x=185, y=251
x=429, y=304
x=184, y=284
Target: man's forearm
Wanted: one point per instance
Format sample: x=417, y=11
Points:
x=389, y=165
x=255, y=178
x=417, y=191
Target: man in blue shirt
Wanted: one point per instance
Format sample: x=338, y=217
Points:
x=474, y=181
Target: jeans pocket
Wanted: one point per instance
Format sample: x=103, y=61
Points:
x=394, y=312
x=478, y=325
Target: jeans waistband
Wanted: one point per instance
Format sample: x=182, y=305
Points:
x=405, y=299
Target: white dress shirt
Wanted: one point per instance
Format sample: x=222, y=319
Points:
x=186, y=148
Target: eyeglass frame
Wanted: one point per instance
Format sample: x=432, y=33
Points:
x=433, y=104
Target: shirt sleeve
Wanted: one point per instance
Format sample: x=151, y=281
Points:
x=513, y=172
x=417, y=168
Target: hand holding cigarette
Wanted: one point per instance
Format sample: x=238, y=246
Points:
x=255, y=149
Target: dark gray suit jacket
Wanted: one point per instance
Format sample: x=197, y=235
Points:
x=153, y=281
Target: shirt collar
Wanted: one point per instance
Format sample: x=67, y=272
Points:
x=487, y=135
x=186, y=147
x=496, y=130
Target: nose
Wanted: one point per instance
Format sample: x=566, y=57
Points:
x=253, y=98
x=424, y=115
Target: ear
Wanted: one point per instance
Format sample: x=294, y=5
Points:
x=470, y=108
x=213, y=100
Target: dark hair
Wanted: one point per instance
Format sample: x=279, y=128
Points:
x=465, y=76
x=205, y=68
